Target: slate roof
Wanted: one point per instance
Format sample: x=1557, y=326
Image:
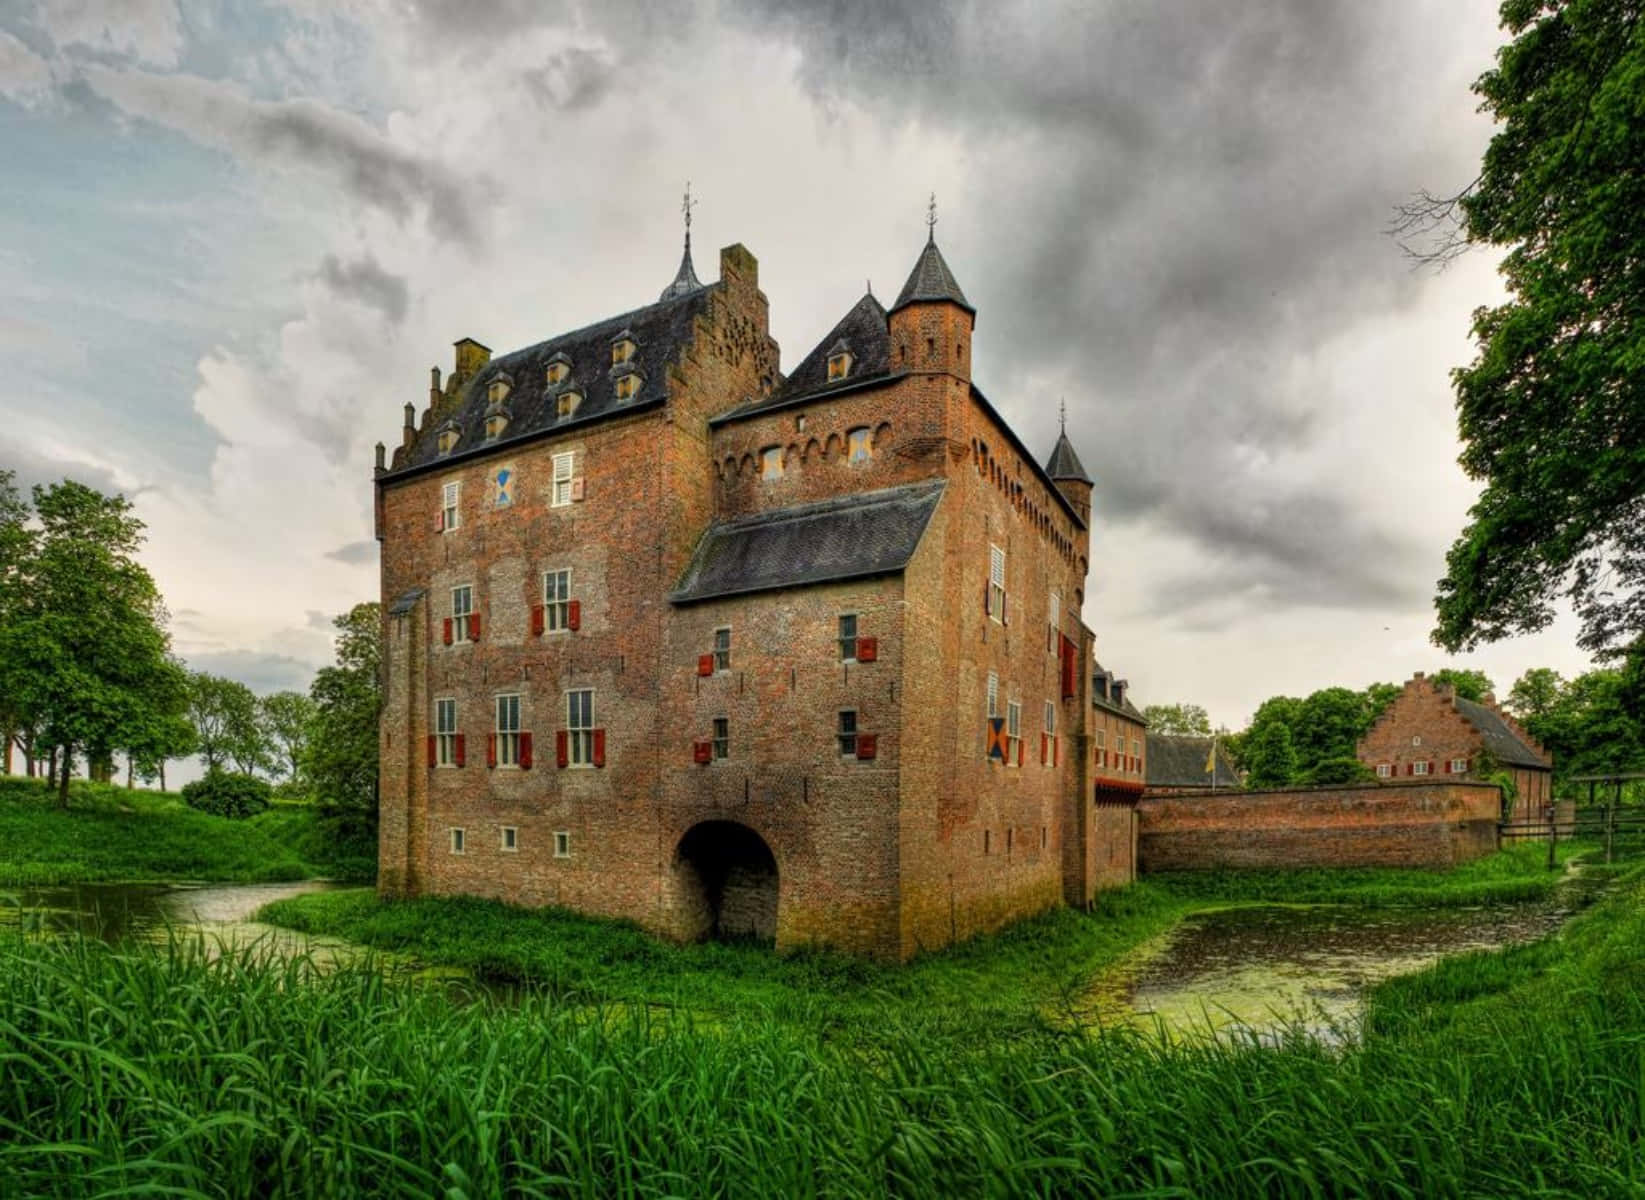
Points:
x=659, y=331
x=873, y=533
x=1501, y=742
x=865, y=332
x=1064, y=463
x=685, y=279
x=932, y=280
x=1099, y=696
x=1178, y=761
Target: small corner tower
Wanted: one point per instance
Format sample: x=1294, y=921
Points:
x=932, y=321
x=1068, y=473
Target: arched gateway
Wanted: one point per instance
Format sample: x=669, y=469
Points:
x=727, y=880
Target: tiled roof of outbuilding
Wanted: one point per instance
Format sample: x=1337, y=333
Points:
x=932, y=280
x=873, y=533
x=1501, y=741
x=1178, y=761
x=658, y=330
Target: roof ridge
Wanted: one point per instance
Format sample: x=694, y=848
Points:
x=591, y=327
x=811, y=508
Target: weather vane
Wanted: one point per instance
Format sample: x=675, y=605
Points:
x=686, y=206
x=931, y=218
x=1062, y=414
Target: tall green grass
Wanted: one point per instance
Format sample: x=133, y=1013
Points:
x=174, y=1074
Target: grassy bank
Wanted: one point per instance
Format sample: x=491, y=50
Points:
x=1504, y=1075
x=110, y=833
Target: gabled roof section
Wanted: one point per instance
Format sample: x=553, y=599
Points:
x=660, y=332
x=1064, y=463
x=1176, y=761
x=1501, y=742
x=852, y=537
x=865, y=332
x=1101, y=676
x=932, y=280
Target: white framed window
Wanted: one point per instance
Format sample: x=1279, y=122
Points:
x=722, y=648
x=557, y=600
x=993, y=694
x=1013, y=730
x=1050, y=718
x=457, y=838
x=1459, y=766
x=627, y=386
x=996, y=583
x=1136, y=747
x=1383, y=770
x=722, y=736
x=508, y=731
x=1054, y=621
x=562, y=843
x=579, y=723
x=1419, y=768
x=462, y=605
x=859, y=447
x=847, y=733
x=1101, y=738
x=451, y=515
x=771, y=462
x=563, y=464
x=445, y=733
x=509, y=840
x=848, y=637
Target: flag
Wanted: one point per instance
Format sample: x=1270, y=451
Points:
x=1211, y=760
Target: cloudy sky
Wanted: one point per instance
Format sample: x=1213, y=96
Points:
x=235, y=236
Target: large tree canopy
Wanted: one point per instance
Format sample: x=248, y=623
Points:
x=1552, y=411
x=1189, y=719
x=341, y=758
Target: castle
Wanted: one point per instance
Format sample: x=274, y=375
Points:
x=672, y=636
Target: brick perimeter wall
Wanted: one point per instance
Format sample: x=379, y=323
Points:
x=1397, y=825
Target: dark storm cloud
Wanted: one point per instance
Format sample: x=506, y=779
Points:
x=262, y=673
x=363, y=280
x=1178, y=203
x=355, y=554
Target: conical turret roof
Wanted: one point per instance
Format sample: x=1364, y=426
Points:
x=932, y=280
x=685, y=279
x=1064, y=463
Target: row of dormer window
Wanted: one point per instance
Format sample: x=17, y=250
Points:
x=628, y=380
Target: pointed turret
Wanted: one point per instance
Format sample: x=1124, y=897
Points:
x=1064, y=463
x=932, y=280
x=932, y=321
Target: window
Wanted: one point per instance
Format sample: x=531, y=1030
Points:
x=722, y=649
x=565, y=404
x=508, y=731
x=1136, y=747
x=462, y=604
x=627, y=385
x=1459, y=766
x=771, y=462
x=579, y=722
x=495, y=425
x=722, y=737
x=558, y=368
x=445, y=733
x=857, y=446
x=996, y=583
x=622, y=350
x=502, y=482
x=1102, y=739
x=848, y=637
x=447, y=441
x=993, y=694
x=510, y=839
x=839, y=365
x=1050, y=718
x=562, y=480
x=456, y=841
x=450, y=516
x=1419, y=768
x=562, y=843
x=1383, y=771
x=1055, y=622
x=1013, y=730
x=848, y=732
x=1416, y=739
x=557, y=600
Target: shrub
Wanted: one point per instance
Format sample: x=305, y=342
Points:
x=1333, y=771
x=226, y=794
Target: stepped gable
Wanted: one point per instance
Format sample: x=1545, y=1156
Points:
x=1502, y=738
x=660, y=332
x=866, y=334
x=853, y=537
x=932, y=280
x=1064, y=463
x=1178, y=761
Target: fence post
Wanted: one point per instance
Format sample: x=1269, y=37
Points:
x=1553, y=832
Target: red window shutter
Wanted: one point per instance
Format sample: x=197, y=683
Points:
x=525, y=752
x=1045, y=748
x=1410, y=768
x=539, y=620
x=599, y=747
x=491, y=749
x=1447, y=766
x=448, y=631
x=868, y=649
x=702, y=751
x=460, y=750
x=705, y=664
x=574, y=615
x=440, y=521
x=1019, y=752
x=433, y=752
x=562, y=751
x=473, y=627
x=867, y=745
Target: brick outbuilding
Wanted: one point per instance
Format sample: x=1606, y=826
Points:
x=671, y=636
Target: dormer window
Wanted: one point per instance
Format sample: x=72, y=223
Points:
x=447, y=441
x=498, y=390
x=622, y=350
x=627, y=386
x=495, y=424
x=839, y=361
x=566, y=403
x=559, y=369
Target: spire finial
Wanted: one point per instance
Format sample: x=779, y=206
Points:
x=931, y=219
x=870, y=287
x=685, y=207
x=685, y=281
x=1062, y=415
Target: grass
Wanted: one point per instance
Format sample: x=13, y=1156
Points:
x=177, y=1074
x=109, y=833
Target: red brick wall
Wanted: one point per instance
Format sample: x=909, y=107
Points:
x=1397, y=825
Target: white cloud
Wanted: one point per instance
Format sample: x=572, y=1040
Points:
x=149, y=31
x=24, y=76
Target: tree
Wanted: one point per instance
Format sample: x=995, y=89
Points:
x=1552, y=410
x=224, y=715
x=1188, y=719
x=1270, y=759
x=1329, y=725
x=16, y=547
x=1534, y=694
x=286, y=718
x=87, y=654
x=1378, y=696
x=1470, y=685
x=341, y=762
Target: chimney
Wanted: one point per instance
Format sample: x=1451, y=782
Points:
x=408, y=432
x=471, y=356
x=433, y=386
x=381, y=464
x=1417, y=676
